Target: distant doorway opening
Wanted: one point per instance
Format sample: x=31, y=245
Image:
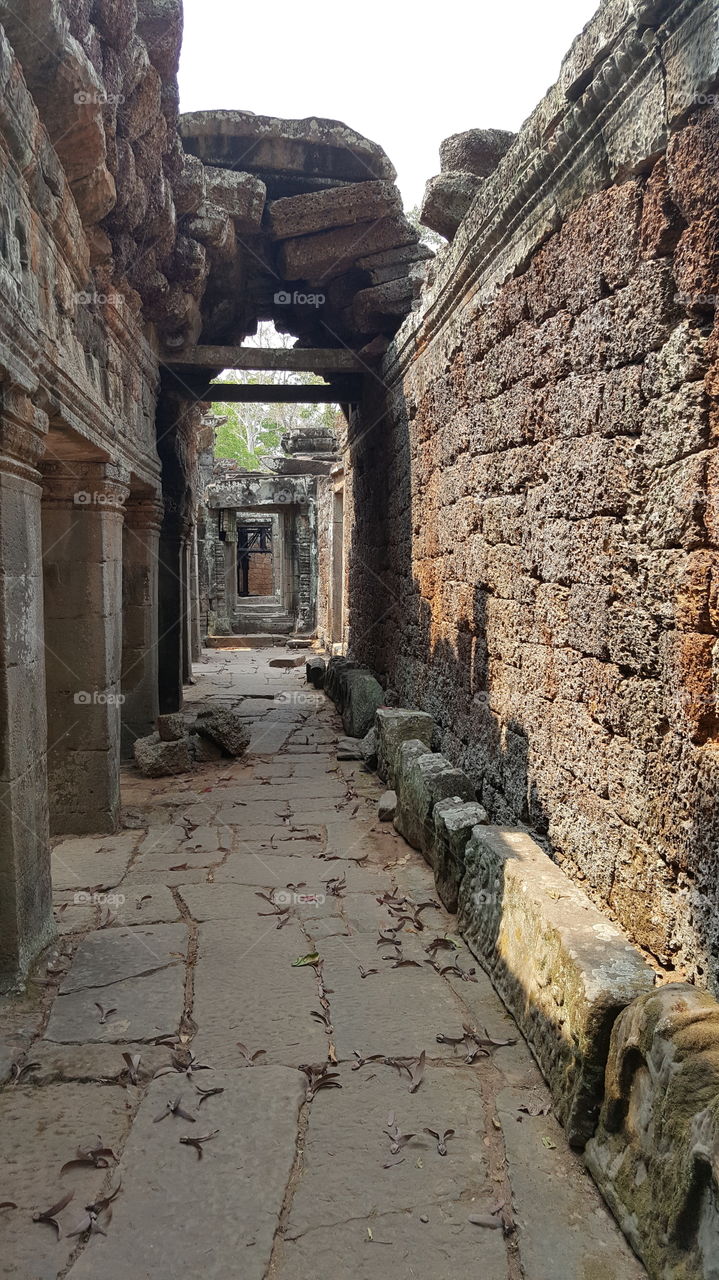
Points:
x=255, y=569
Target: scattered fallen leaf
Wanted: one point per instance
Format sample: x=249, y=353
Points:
x=250, y=1058
x=50, y=1215
x=441, y=1139
x=206, y=1093
x=133, y=1061
x=104, y=1013
x=547, y=1142
x=197, y=1142
x=319, y=1077
x=98, y=1157
x=173, y=1107
x=417, y=1073
x=311, y=958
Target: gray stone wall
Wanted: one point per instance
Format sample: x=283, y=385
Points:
x=534, y=550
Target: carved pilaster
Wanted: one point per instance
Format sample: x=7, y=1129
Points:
x=23, y=428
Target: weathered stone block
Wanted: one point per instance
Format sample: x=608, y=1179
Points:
x=476, y=151
x=336, y=668
x=315, y=669
x=171, y=728
x=157, y=759
x=446, y=200
x=335, y=207
x=654, y=1153
x=454, y=822
x=561, y=967
x=395, y=726
x=362, y=695
x=387, y=807
x=422, y=778
x=241, y=195
x=327, y=254
x=224, y=728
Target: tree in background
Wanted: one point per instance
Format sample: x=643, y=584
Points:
x=253, y=432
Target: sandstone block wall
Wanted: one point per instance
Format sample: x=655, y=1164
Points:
x=535, y=529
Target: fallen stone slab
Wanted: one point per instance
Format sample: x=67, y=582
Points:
x=224, y=728
x=564, y=971
x=315, y=669
x=241, y=195
x=476, y=151
x=369, y=748
x=387, y=807
x=180, y=1216
x=349, y=749
x=654, y=1153
x=157, y=759
x=171, y=728
x=362, y=694
x=334, y=207
x=446, y=200
x=320, y=257
x=395, y=726
x=422, y=778
x=454, y=821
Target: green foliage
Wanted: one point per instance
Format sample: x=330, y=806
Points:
x=253, y=432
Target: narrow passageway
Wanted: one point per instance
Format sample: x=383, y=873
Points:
x=281, y=1088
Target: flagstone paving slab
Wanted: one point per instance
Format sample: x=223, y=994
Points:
x=427, y=1243
x=248, y=990
x=346, y=1145
x=567, y=1231
x=144, y=1007
x=215, y=1217
x=110, y=955
x=92, y=862
x=41, y=1130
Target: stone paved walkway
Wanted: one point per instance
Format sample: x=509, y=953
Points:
x=172, y=929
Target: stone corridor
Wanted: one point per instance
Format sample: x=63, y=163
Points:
x=304, y=1094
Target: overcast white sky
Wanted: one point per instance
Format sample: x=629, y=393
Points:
x=403, y=76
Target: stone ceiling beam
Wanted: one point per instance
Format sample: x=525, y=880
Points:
x=265, y=359
x=270, y=393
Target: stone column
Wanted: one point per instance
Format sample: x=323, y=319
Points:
x=195, y=606
x=186, y=567
x=140, y=560
x=26, y=923
x=82, y=553
x=171, y=612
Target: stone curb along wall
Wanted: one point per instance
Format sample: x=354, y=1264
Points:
x=535, y=533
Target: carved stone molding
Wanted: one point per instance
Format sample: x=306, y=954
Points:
x=145, y=514
x=88, y=486
x=23, y=428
